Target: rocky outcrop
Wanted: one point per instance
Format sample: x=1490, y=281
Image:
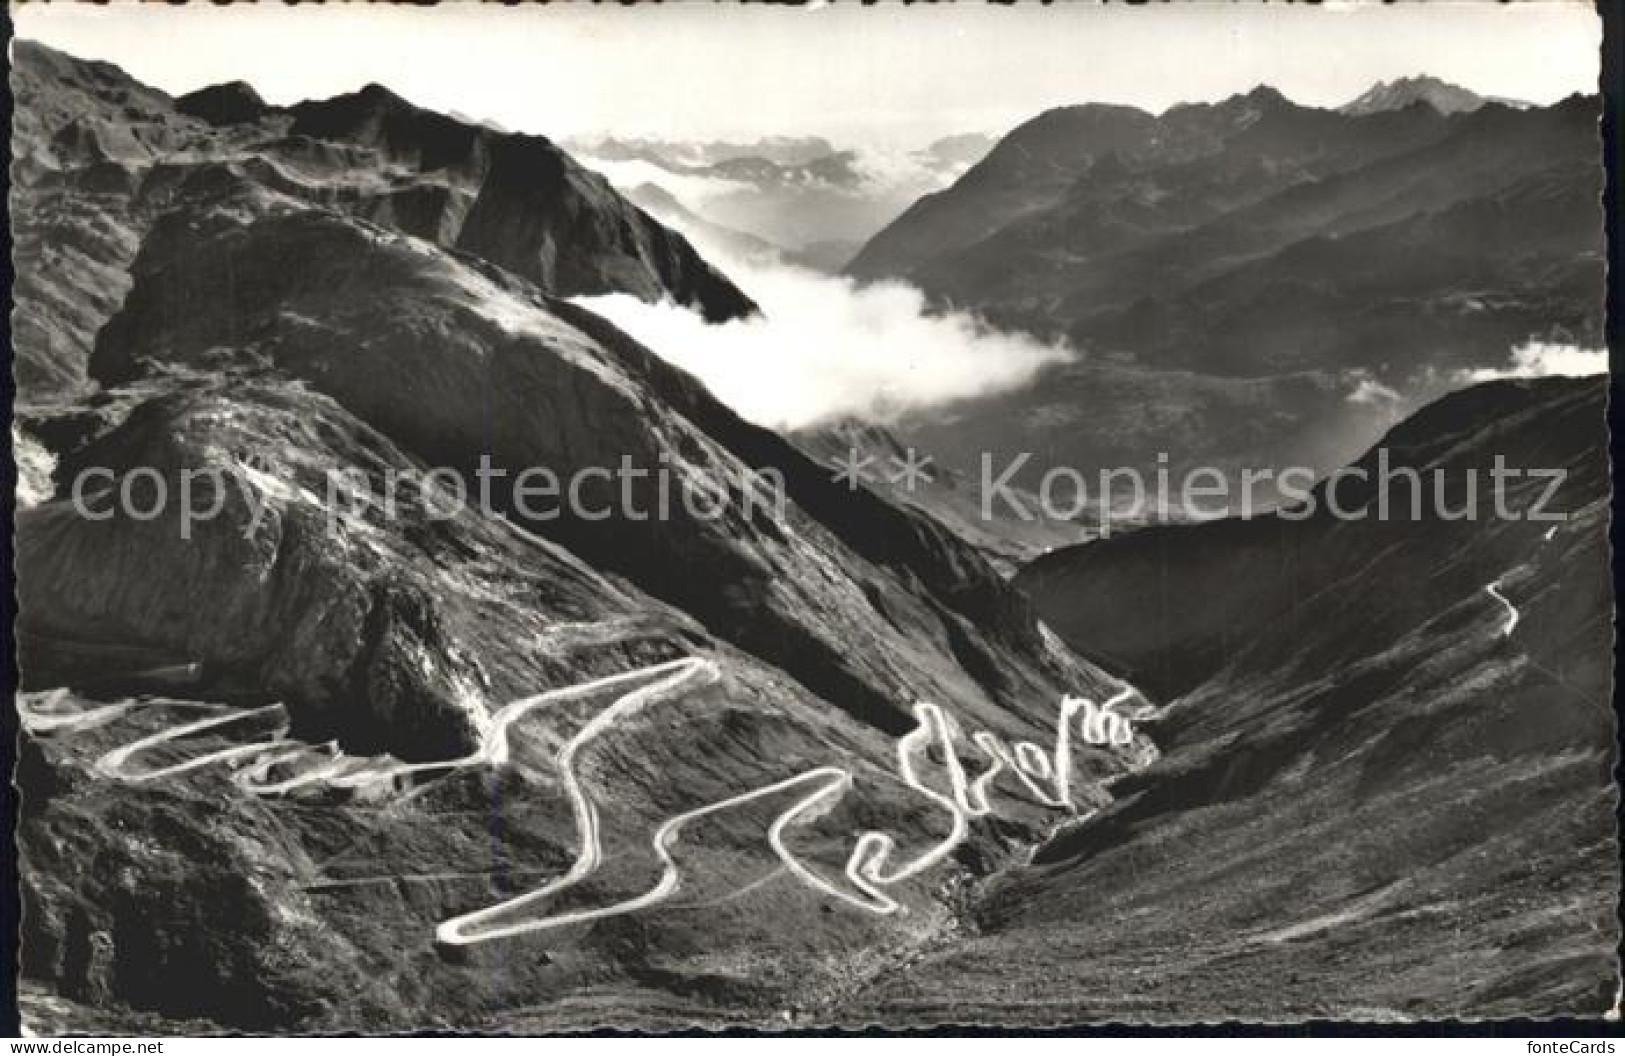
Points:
x=79, y=131
x=170, y=904
x=72, y=112
x=542, y=216
x=534, y=211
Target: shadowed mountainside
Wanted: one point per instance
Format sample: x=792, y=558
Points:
x=1384, y=791
x=1221, y=250
x=1127, y=231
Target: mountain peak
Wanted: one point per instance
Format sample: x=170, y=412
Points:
x=1268, y=95
x=1443, y=96
x=344, y=116
x=370, y=98
x=1239, y=110
x=234, y=102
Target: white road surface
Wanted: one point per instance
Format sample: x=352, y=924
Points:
x=874, y=865
x=1494, y=590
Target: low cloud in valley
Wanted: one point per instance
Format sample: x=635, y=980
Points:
x=825, y=349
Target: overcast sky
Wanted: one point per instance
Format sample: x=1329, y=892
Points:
x=896, y=75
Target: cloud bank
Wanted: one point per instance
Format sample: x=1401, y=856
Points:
x=1368, y=391
x=1541, y=359
x=826, y=349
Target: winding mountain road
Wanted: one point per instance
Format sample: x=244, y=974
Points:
x=1493, y=589
x=870, y=869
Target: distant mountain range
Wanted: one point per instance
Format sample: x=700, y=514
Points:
x=1442, y=96
x=735, y=247
x=815, y=200
x=1253, y=240
x=678, y=155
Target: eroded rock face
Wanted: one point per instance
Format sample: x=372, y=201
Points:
x=73, y=237
x=73, y=111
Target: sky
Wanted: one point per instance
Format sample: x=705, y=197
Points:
x=886, y=75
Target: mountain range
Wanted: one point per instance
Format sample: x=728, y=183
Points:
x=106, y=156
x=1262, y=263
x=356, y=289
x=819, y=203
x=724, y=740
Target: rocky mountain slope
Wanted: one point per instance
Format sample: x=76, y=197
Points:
x=460, y=363
x=947, y=495
x=1255, y=239
x=1385, y=788
x=101, y=157
x=312, y=746
x=663, y=726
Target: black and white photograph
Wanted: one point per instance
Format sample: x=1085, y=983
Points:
x=547, y=518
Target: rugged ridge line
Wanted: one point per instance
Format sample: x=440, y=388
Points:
x=100, y=157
